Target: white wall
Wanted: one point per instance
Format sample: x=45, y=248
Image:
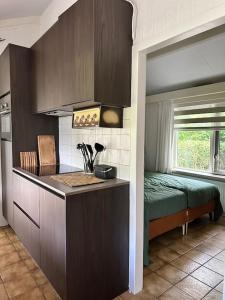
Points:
x=116, y=142
x=22, y=32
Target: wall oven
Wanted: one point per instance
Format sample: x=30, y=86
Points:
x=5, y=118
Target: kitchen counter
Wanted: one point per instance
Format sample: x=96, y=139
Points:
x=64, y=190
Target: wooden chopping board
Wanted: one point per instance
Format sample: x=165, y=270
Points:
x=46, y=150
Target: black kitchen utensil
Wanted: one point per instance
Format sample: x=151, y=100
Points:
x=90, y=149
x=98, y=148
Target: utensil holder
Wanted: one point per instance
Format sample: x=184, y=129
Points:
x=89, y=167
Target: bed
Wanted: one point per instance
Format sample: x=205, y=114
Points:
x=172, y=201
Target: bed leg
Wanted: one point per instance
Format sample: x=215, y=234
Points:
x=211, y=216
x=183, y=229
x=186, y=226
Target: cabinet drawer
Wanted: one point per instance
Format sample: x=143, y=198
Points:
x=28, y=233
x=27, y=197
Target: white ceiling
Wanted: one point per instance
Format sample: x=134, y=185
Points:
x=199, y=63
x=22, y=8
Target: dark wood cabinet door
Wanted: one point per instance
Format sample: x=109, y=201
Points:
x=46, y=71
x=4, y=72
x=28, y=233
x=27, y=197
x=53, y=240
x=7, y=181
x=77, y=48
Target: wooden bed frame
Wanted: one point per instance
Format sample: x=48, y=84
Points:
x=164, y=224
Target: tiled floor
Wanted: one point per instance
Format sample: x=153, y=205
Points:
x=20, y=278
x=183, y=268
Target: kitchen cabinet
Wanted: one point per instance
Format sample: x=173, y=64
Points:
x=53, y=239
x=27, y=197
x=4, y=72
x=82, y=238
x=46, y=71
x=85, y=58
x=7, y=181
x=28, y=233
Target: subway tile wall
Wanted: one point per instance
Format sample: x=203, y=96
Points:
x=116, y=141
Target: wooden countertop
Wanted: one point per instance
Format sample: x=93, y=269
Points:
x=64, y=190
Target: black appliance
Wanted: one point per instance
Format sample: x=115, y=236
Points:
x=5, y=118
x=105, y=171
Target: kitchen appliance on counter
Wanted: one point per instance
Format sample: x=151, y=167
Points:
x=105, y=171
x=100, y=116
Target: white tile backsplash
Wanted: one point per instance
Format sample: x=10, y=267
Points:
x=116, y=141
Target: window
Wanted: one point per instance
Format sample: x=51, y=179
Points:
x=199, y=141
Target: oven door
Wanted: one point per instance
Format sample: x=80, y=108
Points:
x=6, y=126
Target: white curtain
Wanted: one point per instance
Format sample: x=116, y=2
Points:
x=159, y=137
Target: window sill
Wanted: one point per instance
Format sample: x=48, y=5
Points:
x=208, y=176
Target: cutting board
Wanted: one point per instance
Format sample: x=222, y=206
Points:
x=28, y=159
x=46, y=150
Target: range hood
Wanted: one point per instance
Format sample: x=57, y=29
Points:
x=58, y=113
x=98, y=116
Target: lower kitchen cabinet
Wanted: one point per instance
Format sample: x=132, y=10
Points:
x=82, y=242
x=53, y=239
x=27, y=232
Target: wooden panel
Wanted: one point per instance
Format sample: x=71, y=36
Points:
x=116, y=241
x=98, y=226
x=162, y=225
x=7, y=181
x=4, y=72
x=28, y=233
x=27, y=197
x=46, y=68
x=77, y=58
x=46, y=150
x=22, y=118
x=113, y=50
x=53, y=240
x=197, y=212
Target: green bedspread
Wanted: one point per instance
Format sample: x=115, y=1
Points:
x=168, y=194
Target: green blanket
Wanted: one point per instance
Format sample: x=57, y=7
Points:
x=158, y=186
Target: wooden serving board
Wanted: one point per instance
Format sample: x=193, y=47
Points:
x=46, y=150
x=77, y=179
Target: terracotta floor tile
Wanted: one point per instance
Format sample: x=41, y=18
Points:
x=34, y=294
x=18, y=245
x=49, y=292
x=198, y=256
x=2, y=233
x=9, y=259
x=167, y=254
x=13, y=271
x=193, y=287
x=140, y=296
x=207, y=276
x=24, y=254
x=208, y=250
x=146, y=271
x=171, y=274
x=221, y=256
x=39, y=277
x=215, y=242
x=6, y=249
x=190, y=241
x=4, y=241
x=156, y=263
x=175, y=294
x=214, y=295
x=216, y=265
x=180, y=247
x=164, y=240
x=185, y=264
x=30, y=263
x=155, y=285
x=3, y=294
x=219, y=287
x=20, y=286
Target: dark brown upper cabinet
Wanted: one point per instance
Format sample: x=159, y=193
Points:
x=4, y=72
x=85, y=58
x=46, y=71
